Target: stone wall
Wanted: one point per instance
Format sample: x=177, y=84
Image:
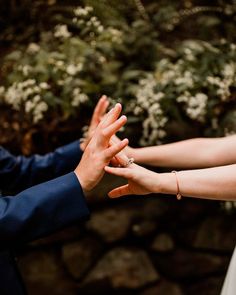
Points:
x=138, y=245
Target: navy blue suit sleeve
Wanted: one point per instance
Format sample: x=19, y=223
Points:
x=18, y=173
x=41, y=210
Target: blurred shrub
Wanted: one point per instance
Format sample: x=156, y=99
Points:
x=160, y=83
x=196, y=84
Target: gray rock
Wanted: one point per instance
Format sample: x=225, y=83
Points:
x=43, y=273
x=163, y=243
x=79, y=256
x=124, y=268
x=144, y=227
x=111, y=224
x=155, y=207
x=182, y=264
x=213, y=232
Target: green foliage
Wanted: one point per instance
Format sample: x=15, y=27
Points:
x=162, y=78
x=197, y=84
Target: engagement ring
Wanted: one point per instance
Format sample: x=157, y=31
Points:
x=129, y=162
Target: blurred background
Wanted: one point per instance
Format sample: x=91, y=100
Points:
x=172, y=64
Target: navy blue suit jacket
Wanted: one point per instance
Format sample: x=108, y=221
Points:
x=40, y=209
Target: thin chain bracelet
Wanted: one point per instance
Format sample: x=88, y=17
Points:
x=178, y=194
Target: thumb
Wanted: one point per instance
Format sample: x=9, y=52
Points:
x=120, y=191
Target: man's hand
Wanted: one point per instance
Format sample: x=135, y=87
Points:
x=99, y=152
x=97, y=116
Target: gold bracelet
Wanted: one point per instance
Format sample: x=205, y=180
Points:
x=178, y=194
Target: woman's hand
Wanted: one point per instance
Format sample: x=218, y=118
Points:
x=128, y=151
x=99, y=152
x=97, y=116
x=140, y=181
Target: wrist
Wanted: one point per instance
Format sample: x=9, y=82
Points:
x=157, y=183
x=139, y=155
x=166, y=183
x=133, y=153
x=82, y=180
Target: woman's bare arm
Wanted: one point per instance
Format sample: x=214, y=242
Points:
x=218, y=183
x=192, y=153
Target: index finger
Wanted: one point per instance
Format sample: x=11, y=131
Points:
x=100, y=109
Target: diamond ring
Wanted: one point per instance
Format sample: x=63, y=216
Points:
x=129, y=162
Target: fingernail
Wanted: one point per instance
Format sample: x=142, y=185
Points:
x=123, y=117
x=118, y=104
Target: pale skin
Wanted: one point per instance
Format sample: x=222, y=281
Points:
x=217, y=181
x=191, y=153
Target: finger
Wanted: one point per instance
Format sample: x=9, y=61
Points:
x=114, y=162
x=115, y=149
x=99, y=109
x=120, y=191
x=122, y=172
x=104, y=109
x=113, y=128
x=115, y=139
x=111, y=116
x=121, y=157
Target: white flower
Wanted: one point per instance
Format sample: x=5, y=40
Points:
x=223, y=85
x=189, y=54
x=44, y=85
x=80, y=11
x=33, y=48
x=116, y=35
x=61, y=31
x=78, y=97
x=196, y=106
x=233, y=47
x=184, y=97
x=229, y=70
x=102, y=59
x=59, y=63
x=100, y=29
x=186, y=79
x=213, y=80
x=39, y=110
x=73, y=69
x=20, y=92
x=36, y=107
x=149, y=102
x=26, y=69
